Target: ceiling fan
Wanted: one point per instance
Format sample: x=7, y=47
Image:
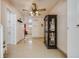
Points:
x=35, y=10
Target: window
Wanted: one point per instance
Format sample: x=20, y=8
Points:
x=30, y=22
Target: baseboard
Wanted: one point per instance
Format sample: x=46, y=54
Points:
x=37, y=37
x=19, y=41
x=63, y=52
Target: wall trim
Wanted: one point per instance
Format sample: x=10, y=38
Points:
x=20, y=41
x=63, y=52
x=37, y=37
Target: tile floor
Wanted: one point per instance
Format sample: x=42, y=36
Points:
x=32, y=48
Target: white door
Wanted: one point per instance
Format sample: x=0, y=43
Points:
x=8, y=26
x=11, y=27
x=73, y=28
x=1, y=41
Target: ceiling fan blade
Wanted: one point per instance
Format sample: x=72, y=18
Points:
x=42, y=9
x=34, y=6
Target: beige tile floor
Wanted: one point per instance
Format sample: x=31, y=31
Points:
x=32, y=48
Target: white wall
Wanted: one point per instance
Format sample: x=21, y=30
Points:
x=61, y=11
x=26, y=21
x=0, y=30
x=5, y=5
x=3, y=21
x=20, y=31
x=37, y=29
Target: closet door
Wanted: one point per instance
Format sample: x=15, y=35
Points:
x=73, y=28
x=1, y=41
x=8, y=26
x=11, y=27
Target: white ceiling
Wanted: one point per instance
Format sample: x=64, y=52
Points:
x=26, y=4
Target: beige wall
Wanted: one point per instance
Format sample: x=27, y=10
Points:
x=5, y=5
x=61, y=11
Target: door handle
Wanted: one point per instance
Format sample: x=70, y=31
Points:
x=77, y=25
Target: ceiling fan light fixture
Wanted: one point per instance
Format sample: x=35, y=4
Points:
x=31, y=13
x=36, y=12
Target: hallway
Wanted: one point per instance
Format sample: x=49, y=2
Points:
x=32, y=48
x=60, y=31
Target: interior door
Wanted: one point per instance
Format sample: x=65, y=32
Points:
x=8, y=26
x=73, y=28
x=1, y=41
x=11, y=27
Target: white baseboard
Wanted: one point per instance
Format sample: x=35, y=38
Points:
x=65, y=54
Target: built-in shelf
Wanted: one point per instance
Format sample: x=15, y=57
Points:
x=50, y=31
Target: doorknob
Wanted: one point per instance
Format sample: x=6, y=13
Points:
x=77, y=25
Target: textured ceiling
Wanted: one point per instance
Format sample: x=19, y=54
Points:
x=26, y=4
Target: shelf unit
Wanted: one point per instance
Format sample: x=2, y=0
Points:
x=50, y=31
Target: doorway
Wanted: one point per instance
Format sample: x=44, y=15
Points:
x=11, y=27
